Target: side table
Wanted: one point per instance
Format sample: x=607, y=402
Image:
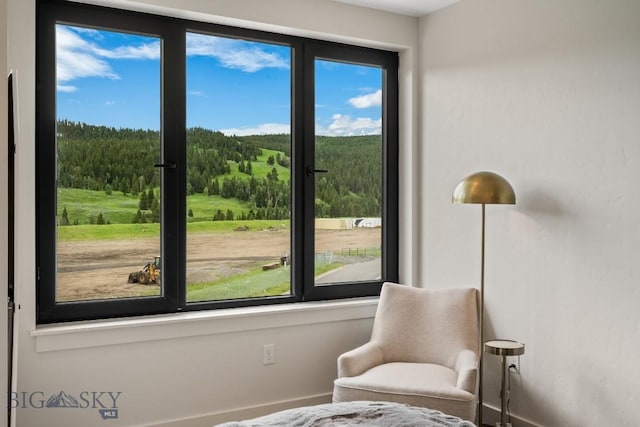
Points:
x=504, y=348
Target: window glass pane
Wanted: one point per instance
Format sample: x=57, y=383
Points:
x=348, y=178
x=238, y=168
x=107, y=142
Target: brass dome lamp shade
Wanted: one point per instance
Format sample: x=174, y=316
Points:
x=484, y=188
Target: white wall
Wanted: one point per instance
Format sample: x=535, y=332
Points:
x=184, y=368
x=546, y=93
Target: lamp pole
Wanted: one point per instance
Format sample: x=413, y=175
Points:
x=481, y=320
x=483, y=188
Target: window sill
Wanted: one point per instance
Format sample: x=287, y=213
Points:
x=197, y=323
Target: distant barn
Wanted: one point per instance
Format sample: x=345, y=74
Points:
x=367, y=222
x=347, y=223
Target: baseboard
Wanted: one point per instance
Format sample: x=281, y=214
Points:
x=491, y=416
x=211, y=419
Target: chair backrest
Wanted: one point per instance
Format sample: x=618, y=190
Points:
x=426, y=325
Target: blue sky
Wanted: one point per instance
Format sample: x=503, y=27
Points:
x=235, y=86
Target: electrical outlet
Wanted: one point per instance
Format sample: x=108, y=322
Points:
x=514, y=361
x=268, y=354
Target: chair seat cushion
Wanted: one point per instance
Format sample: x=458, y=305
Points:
x=418, y=384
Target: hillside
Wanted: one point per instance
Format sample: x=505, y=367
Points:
x=107, y=175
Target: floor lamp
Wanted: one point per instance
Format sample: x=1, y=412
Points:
x=483, y=188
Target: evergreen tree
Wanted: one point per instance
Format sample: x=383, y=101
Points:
x=155, y=210
x=150, y=197
x=142, y=183
x=124, y=187
x=134, y=186
x=144, y=202
x=65, y=217
x=218, y=216
x=215, y=187
x=138, y=218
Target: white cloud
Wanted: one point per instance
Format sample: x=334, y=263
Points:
x=110, y=103
x=196, y=93
x=74, y=58
x=343, y=125
x=66, y=88
x=369, y=100
x=77, y=58
x=90, y=32
x=143, y=51
x=263, y=129
x=236, y=54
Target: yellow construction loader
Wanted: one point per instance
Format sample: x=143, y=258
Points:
x=150, y=273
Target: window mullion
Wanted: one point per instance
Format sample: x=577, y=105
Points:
x=390, y=201
x=308, y=150
x=174, y=154
x=299, y=135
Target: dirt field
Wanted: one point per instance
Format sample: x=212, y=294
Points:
x=99, y=269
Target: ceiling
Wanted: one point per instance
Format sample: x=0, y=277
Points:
x=404, y=7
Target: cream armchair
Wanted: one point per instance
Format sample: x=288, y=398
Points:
x=423, y=351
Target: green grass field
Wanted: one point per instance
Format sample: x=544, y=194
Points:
x=134, y=231
x=203, y=207
x=260, y=168
x=84, y=206
x=255, y=283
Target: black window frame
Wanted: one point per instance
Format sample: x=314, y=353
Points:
x=173, y=31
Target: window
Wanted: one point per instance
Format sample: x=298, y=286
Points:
x=246, y=190
x=184, y=166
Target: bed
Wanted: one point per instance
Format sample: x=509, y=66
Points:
x=363, y=413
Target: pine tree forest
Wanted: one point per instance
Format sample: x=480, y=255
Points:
x=110, y=160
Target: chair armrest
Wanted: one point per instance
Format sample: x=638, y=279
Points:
x=467, y=369
x=360, y=359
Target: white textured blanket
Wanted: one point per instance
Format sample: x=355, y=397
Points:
x=382, y=414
